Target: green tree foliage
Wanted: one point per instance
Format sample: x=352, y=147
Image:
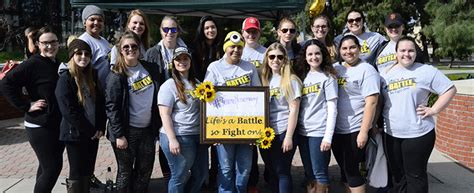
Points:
x=375, y=12
x=451, y=27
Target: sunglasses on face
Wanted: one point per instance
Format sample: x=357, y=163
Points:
x=358, y=19
x=170, y=29
x=83, y=52
x=129, y=47
x=272, y=57
x=291, y=30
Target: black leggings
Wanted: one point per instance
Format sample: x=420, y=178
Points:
x=82, y=156
x=49, y=151
x=348, y=157
x=408, y=160
x=135, y=164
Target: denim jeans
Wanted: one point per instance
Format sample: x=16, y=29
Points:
x=235, y=162
x=280, y=164
x=193, y=157
x=315, y=162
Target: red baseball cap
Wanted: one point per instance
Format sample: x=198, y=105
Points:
x=251, y=22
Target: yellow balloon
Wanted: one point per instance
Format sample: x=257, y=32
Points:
x=316, y=7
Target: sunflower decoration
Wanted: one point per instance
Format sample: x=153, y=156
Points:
x=266, y=138
x=265, y=144
x=205, y=91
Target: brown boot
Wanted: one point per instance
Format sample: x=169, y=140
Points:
x=311, y=187
x=321, y=188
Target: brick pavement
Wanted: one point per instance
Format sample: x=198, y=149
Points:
x=18, y=161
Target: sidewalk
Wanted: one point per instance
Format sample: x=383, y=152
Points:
x=18, y=166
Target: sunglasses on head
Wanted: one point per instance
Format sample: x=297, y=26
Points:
x=130, y=47
x=170, y=29
x=358, y=19
x=272, y=57
x=285, y=30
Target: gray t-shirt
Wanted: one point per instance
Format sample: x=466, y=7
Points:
x=404, y=90
x=185, y=117
x=221, y=73
x=254, y=56
x=355, y=84
x=318, y=89
x=387, y=57
x=140, y=91
x=100, y=55
x=368, y=41
x=279, y=107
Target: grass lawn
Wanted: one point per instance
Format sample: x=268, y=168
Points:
x=454, y=67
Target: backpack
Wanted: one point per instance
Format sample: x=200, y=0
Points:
x=9, y=65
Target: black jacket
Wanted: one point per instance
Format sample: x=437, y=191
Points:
x=79, y=122
x=38, y=75
x=117, y=102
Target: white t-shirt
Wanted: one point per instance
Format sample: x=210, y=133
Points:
x=140, y=91
x=279, y=107
x=221, y=73
x=185, y=117
x=404, y=89
x=318, y=89
x=355, y=84
x=100, y=55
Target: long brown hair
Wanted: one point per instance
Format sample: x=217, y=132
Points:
x=83, y=78
x=325, y=66
x=178, y=80
x=145, y=38
x=120, y=66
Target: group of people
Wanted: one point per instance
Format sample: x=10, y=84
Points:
x=324, y=94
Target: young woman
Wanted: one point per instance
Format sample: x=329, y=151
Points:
x=179, y=136
x=253, y=51
x=137, y=22
x=385, y=55
x=285, y=92
x=93, y=19
x=131, y=98
x=359, y=87
x=287, y=37
x=82, y=105
x=321, y=27
x=206, y=47
x=162, y=53
x=369, y=41
x=409, y=123
x=221, y=73
x=39, y=75
x=318, y=113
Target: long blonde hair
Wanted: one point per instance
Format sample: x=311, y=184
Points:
x=84, y=80
x=287, y=74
